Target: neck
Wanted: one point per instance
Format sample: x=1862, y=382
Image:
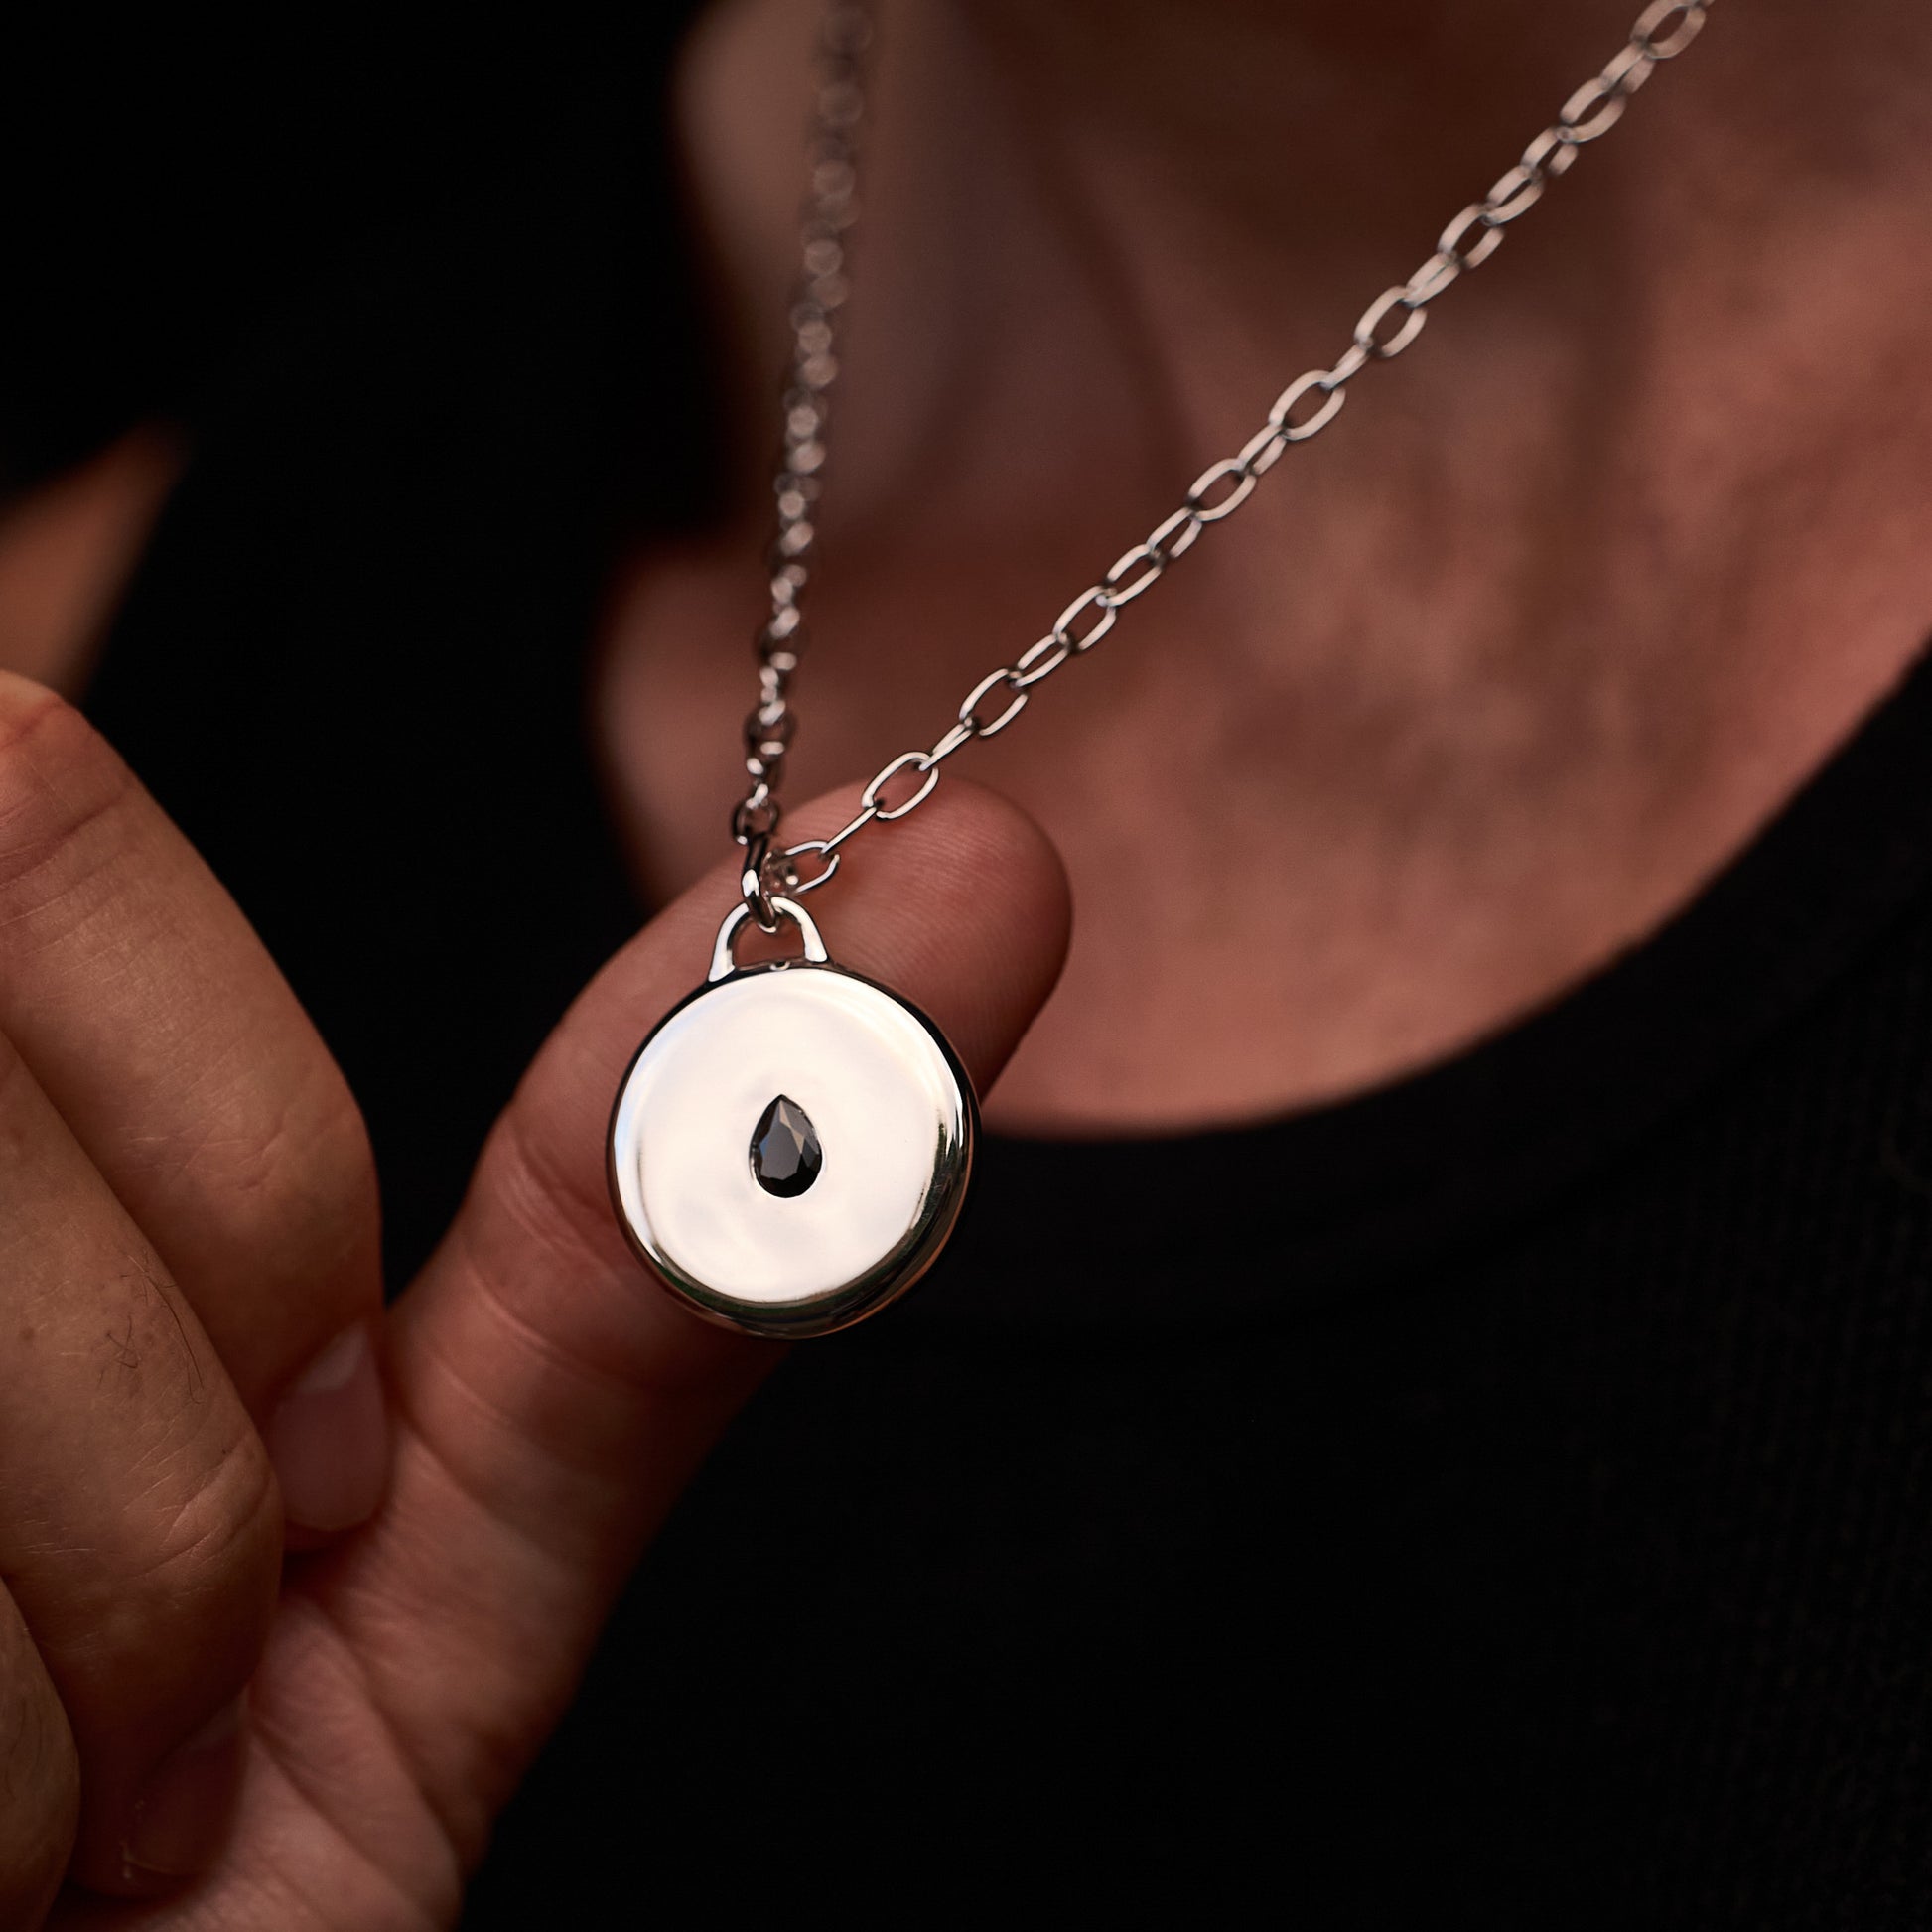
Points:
x=1574, y=597
x=1101, y=233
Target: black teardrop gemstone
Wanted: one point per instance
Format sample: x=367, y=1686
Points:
x=785, y=1155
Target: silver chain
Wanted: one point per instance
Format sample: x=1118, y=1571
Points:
x=830, y=208
x=1302, y=410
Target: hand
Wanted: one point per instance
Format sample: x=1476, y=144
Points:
x=189, y=1230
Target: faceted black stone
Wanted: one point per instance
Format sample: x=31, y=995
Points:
x=785, y=1155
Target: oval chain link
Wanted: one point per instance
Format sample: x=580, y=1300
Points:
x=1387, y=326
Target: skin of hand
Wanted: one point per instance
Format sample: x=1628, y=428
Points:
x=206, y=1727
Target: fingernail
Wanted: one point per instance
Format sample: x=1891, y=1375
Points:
x=181, y=1816
x=329, y=1439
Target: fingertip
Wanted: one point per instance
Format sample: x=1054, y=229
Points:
x=329, y=1439
x=179, y=1820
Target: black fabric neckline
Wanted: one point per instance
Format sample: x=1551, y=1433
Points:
x=1150, y=1230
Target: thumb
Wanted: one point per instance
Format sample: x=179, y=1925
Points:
x=551, y=1399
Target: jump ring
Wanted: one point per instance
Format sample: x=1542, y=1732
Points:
x=752, y=883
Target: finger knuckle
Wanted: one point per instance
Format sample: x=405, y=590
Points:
x=61, y=789
x=221, y=1541
x=302, y=1189
x=185, y=1610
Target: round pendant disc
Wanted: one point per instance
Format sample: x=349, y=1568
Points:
x=791, y=1148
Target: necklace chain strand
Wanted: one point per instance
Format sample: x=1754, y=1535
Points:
x=829, y=210
x=1302, y=410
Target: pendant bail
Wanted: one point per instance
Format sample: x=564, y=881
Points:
x=759, y=900
x=723, y=964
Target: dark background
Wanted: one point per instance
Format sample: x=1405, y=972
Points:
x=188, y=202
x=1508, y=1488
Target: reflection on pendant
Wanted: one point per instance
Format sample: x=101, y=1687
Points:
x=755, y=1212
x=785, y=1154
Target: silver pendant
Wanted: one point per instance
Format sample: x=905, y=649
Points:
x=790, y=1146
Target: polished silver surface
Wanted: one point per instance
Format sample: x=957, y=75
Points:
x=1385, y=329
x=889, y=1106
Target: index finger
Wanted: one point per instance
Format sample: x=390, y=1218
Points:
x=155, y=1021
